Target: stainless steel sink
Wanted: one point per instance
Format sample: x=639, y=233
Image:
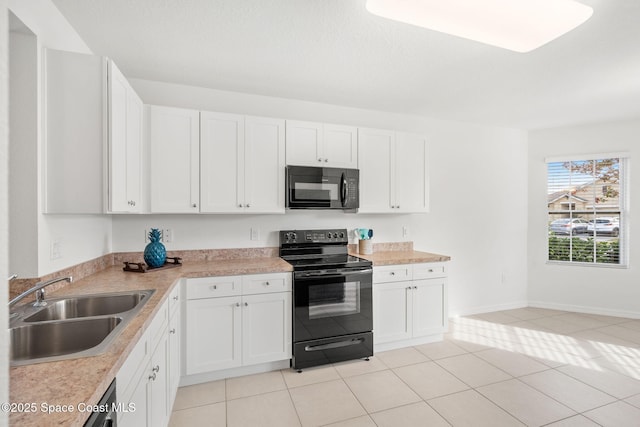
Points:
x=87, y=306
x=71, y=327
x=50, y=339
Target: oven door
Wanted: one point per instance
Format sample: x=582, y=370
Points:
x=332, y=304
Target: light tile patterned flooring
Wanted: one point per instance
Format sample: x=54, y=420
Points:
x=527, y=366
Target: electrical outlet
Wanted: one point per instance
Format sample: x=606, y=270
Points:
x=255, y=233
x=405, y=231
x=167, y=235
x=56, y=249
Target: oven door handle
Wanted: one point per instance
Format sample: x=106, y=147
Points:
x=339, y=275
x=339, y=344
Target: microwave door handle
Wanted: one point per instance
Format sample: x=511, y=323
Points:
x=345, y=190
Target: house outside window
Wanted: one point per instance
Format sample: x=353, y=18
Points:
x=586, y=205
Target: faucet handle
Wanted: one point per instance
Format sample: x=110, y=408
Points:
x=40, y=302
x=13, y=276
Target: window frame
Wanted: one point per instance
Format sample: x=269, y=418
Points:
x=624, y=214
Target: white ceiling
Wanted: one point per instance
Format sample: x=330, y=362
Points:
x=334, y=51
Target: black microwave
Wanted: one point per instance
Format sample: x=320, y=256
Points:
x=311, y=187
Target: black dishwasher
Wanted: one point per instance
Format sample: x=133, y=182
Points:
x=106, y=416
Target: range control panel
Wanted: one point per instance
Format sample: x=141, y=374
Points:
x=314, y=236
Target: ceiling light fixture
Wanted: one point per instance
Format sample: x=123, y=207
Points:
x=518, y=25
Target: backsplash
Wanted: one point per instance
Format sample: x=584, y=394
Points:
x=88, y=268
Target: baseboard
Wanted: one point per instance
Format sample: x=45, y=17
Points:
x=585, y=309
x=234, y=372
x=488, y=308
x=407, y=343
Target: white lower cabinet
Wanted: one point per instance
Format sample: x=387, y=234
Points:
x=237, y=321
x=148, y=380
x=410, y=304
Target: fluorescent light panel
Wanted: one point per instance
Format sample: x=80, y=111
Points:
x=518, y=25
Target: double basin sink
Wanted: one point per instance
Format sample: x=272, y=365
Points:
x=71, y=327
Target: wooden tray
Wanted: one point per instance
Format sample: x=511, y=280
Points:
x=141, y=267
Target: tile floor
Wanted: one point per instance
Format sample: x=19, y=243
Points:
x=527, y=366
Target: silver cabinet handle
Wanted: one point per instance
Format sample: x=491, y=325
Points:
x=319, y=159
x=156, y=368
x=246, y=304
x=172, y=331
x=267, y=283
x=393, y=273
x=326, y=160
x=415, y=287
x=152, y=377
x=237, y=304
x=213, y=287
x=175, y=298
x=409, y=288
x=240, y=205
x=247, y=205
x=431, y=270
x=194, y=205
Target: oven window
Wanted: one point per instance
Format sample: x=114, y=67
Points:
x=334, y=299
x=315, y=191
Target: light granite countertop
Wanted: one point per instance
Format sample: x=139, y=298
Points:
x=84, y=380
x=394, y=257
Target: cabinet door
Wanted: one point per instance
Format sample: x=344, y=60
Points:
x=376, y=155
x=158, y=378
x=221, y=163
x=392, y=311
x=173, y=363
x=266, y=334
x=304, y=143
x=75, y=132
x=213, y=334
x=125, y=143
x=175, y=156
x=138, y=415
x=429, y=314
x=340, y=146
x=264, y=162
x=411, y=174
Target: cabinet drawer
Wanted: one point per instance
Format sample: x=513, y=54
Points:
x=212, y=287
x=429, y=271
x=265, y=283
x=392, y=273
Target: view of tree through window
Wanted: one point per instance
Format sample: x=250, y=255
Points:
x=585, y=212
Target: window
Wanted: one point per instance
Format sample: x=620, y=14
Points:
x=586, y=211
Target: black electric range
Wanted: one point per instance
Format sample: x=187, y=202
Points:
x=332, y=297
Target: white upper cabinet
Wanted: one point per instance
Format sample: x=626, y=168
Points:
x=125, y=144
x=264, y=162
x=242, y=163
x=412, y=173
x=376, y=154
x=174, y=159
x=393, y=172
x=93, y=136
x=318, y=144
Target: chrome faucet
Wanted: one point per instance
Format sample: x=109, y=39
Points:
x=13, y=276
x=39, y=290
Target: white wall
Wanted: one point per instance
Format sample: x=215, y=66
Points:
x=588, y=289
x=474, y=170
x=23, y=151
x=4, y=211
